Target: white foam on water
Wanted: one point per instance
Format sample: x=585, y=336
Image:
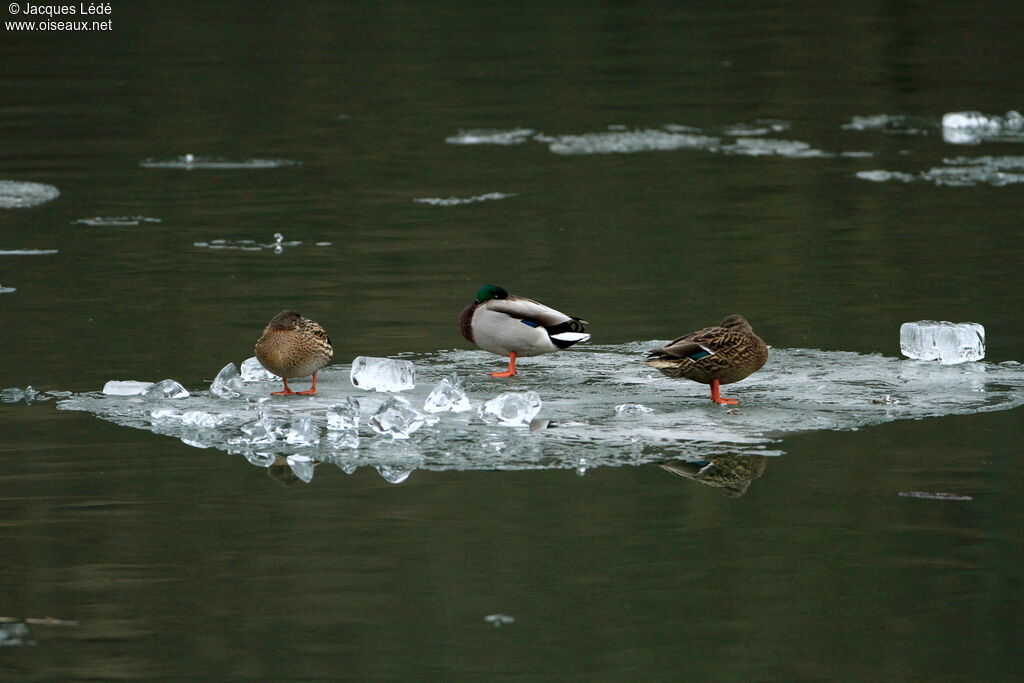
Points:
x=17, y=194
x=582, y=393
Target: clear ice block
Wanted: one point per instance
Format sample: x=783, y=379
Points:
x=383, y=374
x=343, y=416
x=397, y=418
x=127, y=387
x=228, y=383
x=167, y=388
x=943, y=341
x=447, y=396
x=512, y=408
x=252, y=371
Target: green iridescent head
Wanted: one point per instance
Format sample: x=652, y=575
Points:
x=488, y=292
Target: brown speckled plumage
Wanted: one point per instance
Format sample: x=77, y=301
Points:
x=717, y=355
x=293, y=346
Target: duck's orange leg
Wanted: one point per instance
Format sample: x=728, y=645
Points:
x=311, y=391
x=287, y=389
x=511, y=367
x=720, y=399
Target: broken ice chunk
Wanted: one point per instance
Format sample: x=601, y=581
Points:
x=258, y=432
x=201, y=419
x=301, y=432
x=18, y=194
x=512, y=408
x=302, y=466
x=228, y=383
x=11, y=395
x=252, y=371
x=168, y=388
x=126, y=387
x=383, y=374
x=943, y=341
x=398, y=419
x=447, y=395
x=343, y=416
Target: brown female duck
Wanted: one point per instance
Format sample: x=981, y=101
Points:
x=717, y=355
x=293, y=346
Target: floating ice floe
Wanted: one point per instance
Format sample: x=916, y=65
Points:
x=191, y=161
x=28, y=252
x=946, y=342
x=515, y=136
x=960, y=172
x=7, y=290
x=626, y=142
x=973, y=127
x=277, y=245
x=799, y=390
x=794, y=149
x=890, y=124
x=928, y=495
x=459, y=201
x=115, y=221
x=28, y=395
x=17, y=194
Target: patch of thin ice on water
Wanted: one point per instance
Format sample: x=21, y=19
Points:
x=799, y=390
x=626, y=142
x=891, y=124
x=485, y=136
x=19, y=194
x=115, y=221
x=459, y=201
x=960, y=172
x=190, y=162
x=28, y=252
x=974, y=127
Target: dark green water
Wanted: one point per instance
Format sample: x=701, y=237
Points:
x=180, y=562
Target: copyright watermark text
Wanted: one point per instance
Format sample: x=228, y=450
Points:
x=82, y=16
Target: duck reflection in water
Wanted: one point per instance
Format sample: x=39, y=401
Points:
x=729, y=473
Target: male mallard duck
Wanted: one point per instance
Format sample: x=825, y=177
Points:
x=293, y=346
x=514, y=326
x=715, y=355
